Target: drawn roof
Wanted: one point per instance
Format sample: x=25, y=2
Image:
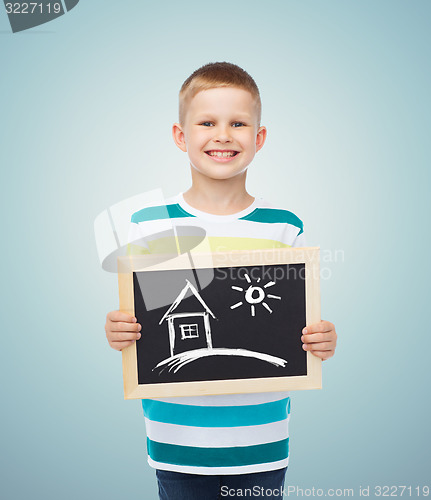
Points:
x=180, y=297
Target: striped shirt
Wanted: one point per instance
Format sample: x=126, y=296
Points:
x=222, y=434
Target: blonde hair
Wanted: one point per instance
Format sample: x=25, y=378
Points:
x=213, y=75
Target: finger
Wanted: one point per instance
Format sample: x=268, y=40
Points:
x=123, y=336
x=120, y=316
x=120, y=326
x=316, y=337
x=318, y=346
x=320, y=327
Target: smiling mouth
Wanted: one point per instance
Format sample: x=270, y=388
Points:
x=222, y=154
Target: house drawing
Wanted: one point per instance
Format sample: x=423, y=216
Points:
x=188, y=330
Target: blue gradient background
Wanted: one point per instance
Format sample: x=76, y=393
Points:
x=86, y=107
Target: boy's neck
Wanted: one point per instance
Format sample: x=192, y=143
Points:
x=218, y=196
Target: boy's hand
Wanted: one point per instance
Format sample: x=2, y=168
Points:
x=320, y=339
x=121, y=330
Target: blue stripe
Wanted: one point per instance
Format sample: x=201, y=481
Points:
x=234, y=456
x=216, y=416
x=274, y=215
x=160, y=213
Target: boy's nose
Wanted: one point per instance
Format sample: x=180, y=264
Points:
x=222, y=135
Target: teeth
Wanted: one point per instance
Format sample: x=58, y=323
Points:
x=221, y=154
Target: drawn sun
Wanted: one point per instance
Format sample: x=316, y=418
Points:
x=255, y=295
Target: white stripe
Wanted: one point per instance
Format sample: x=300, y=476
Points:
x=228, y=399
x=244, y=469
x=299, y=241
x=153, y=227
x=217, y=437
x=277, y=231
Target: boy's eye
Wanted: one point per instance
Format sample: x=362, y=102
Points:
x=207, y=124
x=237, y=124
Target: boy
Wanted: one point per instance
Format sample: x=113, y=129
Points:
x=234, y=443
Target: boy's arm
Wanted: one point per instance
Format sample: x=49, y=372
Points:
x=122, y=329
x=319, y=338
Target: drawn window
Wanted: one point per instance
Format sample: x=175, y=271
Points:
x=189, y=331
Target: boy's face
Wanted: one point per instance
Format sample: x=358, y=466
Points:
x=220, y=132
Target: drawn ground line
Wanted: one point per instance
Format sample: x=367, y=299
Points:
x=177, y=361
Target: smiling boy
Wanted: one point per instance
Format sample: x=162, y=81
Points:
x=231, y=442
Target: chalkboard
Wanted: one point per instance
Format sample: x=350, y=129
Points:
x=220, y=323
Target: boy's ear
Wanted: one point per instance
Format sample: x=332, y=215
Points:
x=260, y=138
x=178, y=135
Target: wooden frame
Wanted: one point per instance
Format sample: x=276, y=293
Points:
x=309, y=256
